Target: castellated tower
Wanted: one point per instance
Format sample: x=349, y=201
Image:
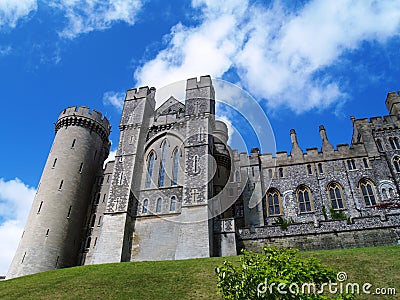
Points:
x=53, y=232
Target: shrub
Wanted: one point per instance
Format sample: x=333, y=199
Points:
x=263, y=275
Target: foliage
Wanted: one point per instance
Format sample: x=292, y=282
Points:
x=324, y=213
x=283, y=222
x=264, y=275
x=337, y=214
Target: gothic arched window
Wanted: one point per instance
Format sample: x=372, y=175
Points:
x=175, y=166
x=335, y=195
x=379, y=145
x=367, y=191
x=304, y=199
x=172, y=206
x=145, y=205
x=396, y=163
x=394, y=142
x=158, y=205
x=161, y=176
x=150, y=169
x=274, y=202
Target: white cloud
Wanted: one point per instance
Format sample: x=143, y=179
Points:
x=115, y=99
x=278, y=55
x=89, y=15
x=13, y=10
x=111, y=157
x=15, y=203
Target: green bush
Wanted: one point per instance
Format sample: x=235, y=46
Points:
x=264, y=275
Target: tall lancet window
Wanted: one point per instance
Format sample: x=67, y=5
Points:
x=161, y=177
x=175, y=167
x=150, y=169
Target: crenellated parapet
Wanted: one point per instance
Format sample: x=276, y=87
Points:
x=137, y=93
x=84, y=117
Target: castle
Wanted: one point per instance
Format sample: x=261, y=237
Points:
x=176, y=190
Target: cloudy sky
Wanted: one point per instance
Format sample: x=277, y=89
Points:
x=307, y=63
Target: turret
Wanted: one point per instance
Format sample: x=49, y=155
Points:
x=326, y=145
x=296, y=150
x=393, y=103
x=53, y=232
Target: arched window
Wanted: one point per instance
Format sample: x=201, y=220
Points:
x=145, y=205
x=270, y=173
x=175, y=166
x=161, y=176
x=396, y=163
x=351, y=165
x=274, y=202
x=379, y=145
x=237, y=176
x=195, y=164
x=280, y=172
x=172, y=206
x=367, y=191
x=394, y=142
x=158, y=205
x=309, y=169
x=304, y=199
x=320, y=170
x=365, y=161
x=335, y=195
x=150, y=169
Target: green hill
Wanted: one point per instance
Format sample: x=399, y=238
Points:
x=187, y=279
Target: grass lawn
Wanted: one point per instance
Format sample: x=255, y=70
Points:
x=188, y=279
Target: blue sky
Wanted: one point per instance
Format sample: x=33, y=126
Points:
x=309, y=63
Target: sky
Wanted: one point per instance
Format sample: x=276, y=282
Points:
x=305, y=63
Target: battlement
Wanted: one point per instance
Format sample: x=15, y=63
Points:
x=84, y=116
x=137, y=93
x=204, y=81
x=385, y=122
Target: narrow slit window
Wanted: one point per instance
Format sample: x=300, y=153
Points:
x=99, y=221
x=104, y=198
x=40, y=207
x=172, y=206
x=196, y=164
x=309, y=169
x=281, y=172
x=81, y=168
x=73, y=143
x=54, y=163
x=23, y=257
x=88, y=241
x=61, y=184
x=320, y=169
x=145, y=205
x=58, y=257
x=47, y=232
x=93, y=221
x=69, y=212
x=158, y=205
x=365, y=161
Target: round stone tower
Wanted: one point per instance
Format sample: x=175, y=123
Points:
x=53, y=232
